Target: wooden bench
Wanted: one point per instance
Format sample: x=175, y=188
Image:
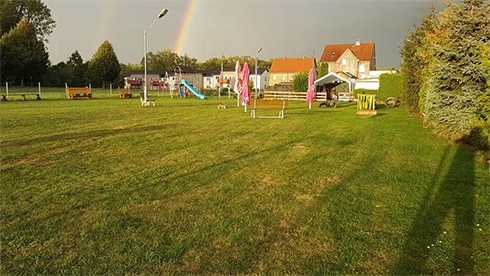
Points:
x=264, y=105
x=23, y=95
x=78, y=92
x=124, y=93
x=148, y=101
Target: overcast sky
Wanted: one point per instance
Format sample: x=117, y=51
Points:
x=204, y=29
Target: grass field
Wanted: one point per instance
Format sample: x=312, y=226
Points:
x=105, y=186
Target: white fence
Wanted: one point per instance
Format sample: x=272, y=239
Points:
x=289, y=95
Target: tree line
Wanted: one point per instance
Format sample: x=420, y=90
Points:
x=445, y=71
x=25, y=26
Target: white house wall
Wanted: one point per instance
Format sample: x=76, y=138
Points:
x=372, y=84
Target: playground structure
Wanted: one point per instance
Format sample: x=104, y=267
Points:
x=192, y=89
x=366, y=105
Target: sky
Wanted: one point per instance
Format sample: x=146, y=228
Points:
x=204, y=29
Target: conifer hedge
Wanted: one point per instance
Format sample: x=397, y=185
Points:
x=454, y=95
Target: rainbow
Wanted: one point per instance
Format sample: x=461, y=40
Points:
x=180, y=42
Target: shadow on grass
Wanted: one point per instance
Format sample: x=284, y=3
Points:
x=84, y=136
x=441, y=237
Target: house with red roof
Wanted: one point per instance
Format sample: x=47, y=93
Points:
x=282, y=70
x=355, y=59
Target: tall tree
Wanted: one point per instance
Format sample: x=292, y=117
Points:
x=104, y=66
x=32, y=11
x=57, y=75
x=414, y=63
x=457, y=76
x=79, y=70
x=322, y=69
x=23, y=56
x=163, y=60
x=300, y=82
x=126, y=70
x=187, y=61
x=481, y=130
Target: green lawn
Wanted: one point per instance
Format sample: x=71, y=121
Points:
x=105, y=186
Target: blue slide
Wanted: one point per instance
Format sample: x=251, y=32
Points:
x=192, y=89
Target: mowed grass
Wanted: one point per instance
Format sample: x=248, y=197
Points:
x=105, y=186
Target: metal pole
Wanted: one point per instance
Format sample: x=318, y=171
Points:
x=256, y=77
x=145, y=49
x=220, y=81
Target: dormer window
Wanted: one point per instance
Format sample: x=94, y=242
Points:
x=333, y=54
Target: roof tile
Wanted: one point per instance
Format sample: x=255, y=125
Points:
x=281, y=65
x=363, y=52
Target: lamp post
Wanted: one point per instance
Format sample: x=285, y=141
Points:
x=256, y=77
x=145, y=48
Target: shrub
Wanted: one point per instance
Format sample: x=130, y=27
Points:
x=300, y=82
x=390, y=85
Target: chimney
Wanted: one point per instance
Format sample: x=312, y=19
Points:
x=358, y=42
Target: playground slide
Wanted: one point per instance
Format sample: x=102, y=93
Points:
x=192, y=89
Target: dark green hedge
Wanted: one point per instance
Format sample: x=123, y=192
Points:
x=390, y=85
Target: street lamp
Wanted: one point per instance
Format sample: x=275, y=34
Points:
x=256, y=77
x=145, y=47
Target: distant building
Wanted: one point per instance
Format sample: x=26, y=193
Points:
x=210, y=79
x=357, y=59
x=262, y=78
x=200, y=79
x=228, y=78
x=193, y=77
x=137, y=78
x=283, y=70
x=372, y=80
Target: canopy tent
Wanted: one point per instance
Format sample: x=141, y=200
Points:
x=332, y=79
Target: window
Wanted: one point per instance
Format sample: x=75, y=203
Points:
x=344, y=61
x=362, y=68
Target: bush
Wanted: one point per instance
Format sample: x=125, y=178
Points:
x=390, y=85
x=361, y=91
x=300, y=82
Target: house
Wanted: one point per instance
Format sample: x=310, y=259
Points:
x=371, y=81
x=357, y=59
x=283, y=69
x=228, y=78
x=206, y=79
x=210, y=79
x=194, y=77
x=137, y=78
x=262, y=78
